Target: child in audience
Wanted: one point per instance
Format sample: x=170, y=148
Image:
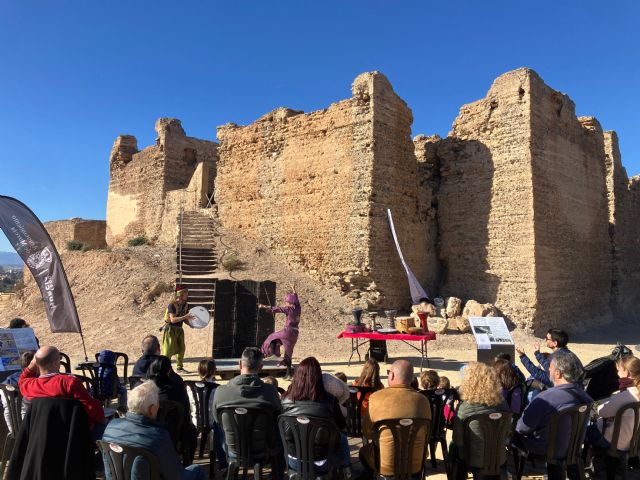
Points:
x=271, y=380
x=444, y=382
x=207, y=373
x=369, y=377
x=341, y=376
x=429, y=380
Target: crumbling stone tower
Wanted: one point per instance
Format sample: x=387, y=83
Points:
x=523, y=209
x=147, y=188
x=315, y=188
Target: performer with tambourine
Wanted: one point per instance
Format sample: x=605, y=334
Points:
x=175, y=315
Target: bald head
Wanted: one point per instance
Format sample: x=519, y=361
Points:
x=401, y=373
x=48, y=360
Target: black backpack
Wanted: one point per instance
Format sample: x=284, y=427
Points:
x=602, y=374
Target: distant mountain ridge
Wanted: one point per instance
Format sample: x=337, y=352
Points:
x=10, y=258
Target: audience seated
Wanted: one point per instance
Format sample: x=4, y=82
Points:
x=140, y=429
x=25, y=360
x=556, y=340
x=42, y=378
x=429, y=380
x=249, y=391
x=307, y=396
x=160, y=373
x=600, y=433
x=444, y=382
x=532, y=430
x=207, y=372
x=150, y=351
x=481, y=393
x=369, y=377
x=398, y=401
x=512, y=389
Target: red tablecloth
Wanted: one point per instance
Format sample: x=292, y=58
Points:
x=389, y=336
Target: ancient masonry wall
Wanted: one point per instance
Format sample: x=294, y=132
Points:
x=91, y=233
x=147, y=188
x=573, y=250
x=624, y=231
x=485, y=201
x=315, y=187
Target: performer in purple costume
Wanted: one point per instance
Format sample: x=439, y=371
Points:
x=286, y=337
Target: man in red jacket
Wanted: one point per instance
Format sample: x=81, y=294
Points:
x=52, y=383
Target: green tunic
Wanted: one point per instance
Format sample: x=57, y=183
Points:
x=173, y=335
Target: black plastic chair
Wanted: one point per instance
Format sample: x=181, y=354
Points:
x=88, y=382
x=438, y=398
x=357, y=396
x=405, y=432
x=305, y=430
x=65, y=362
x=120, y=460
x=201, y=393
x=618, y=459
x=247, y=450
x=172, y=415
x=577, y=417
x=495, y=428
x=125, y=365
x=13, y=403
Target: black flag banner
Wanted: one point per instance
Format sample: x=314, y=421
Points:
x=32, y=242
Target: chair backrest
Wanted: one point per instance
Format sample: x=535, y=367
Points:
x=617, y=424
x=120, y=460
x=247, y=432
x=13, y=403
x=65, y=362
x=201, y=392
x=575, y=418
x=405, y=431
x=124, y=364
x=357, y=395
x=106, y=382
x=88, y=382
x=495, y=428
x=305, y=431
x=171, y=413
x=438, y=398
x=134, y=382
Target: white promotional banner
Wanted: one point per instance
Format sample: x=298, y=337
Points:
x=417, y=292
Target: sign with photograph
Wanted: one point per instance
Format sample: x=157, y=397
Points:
x=490, y=331
x=14, y=341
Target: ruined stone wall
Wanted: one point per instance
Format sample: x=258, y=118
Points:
x=624, y=232
x=573, y=250
x=314, y=188
x=91, y=233
x=485, y=201
x=148, y=188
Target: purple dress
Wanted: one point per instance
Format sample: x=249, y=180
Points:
x=288, y=336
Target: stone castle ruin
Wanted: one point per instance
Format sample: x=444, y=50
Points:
x=523, y=205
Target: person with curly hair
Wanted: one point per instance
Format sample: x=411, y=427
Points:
x=481, y=392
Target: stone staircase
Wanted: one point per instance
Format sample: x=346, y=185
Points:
x=197, y=265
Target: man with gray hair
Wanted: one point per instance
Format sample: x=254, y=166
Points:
x=140, y=429
x=532, y=430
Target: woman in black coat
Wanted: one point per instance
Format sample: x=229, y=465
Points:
x=306, y=396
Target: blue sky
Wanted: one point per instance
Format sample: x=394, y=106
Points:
x=75, y=74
